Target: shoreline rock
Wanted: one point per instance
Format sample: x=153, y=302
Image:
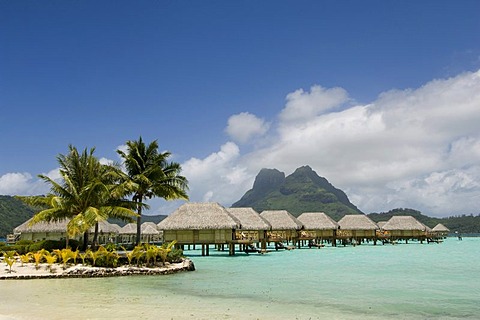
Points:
x=28, y=271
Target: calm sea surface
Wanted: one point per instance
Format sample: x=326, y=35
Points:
x=404, y=281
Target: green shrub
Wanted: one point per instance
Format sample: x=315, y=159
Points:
x=19, y=248
x=51, y=245
x=174, y=256
x=24, y=242
x=111, y=247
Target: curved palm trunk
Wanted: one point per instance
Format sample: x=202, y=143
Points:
x=139, y=223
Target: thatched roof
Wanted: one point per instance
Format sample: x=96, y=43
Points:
x=147, y=225
x=317, y=221
x=249, y=219
x=129, y=228
x=403, y=223
x=281, y=220
x=357, y=222
x=61, y=226
x=440, y=228
x=106, y=227
x=146, y=228
x=149, y=229
x=380, y=224
x=196, y=216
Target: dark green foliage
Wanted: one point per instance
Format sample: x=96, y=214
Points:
x=302, y=191
x=13, y=212
x=51, y=245
x=111, y=247
x=24, y=242
x=107, y=260
x=175, y=255
x=462, y=224
x=385, y=216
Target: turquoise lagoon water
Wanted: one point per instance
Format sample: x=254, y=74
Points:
x=404, y=281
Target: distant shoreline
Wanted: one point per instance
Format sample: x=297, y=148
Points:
x=55, y=271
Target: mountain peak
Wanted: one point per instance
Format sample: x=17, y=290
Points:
x=304, y=190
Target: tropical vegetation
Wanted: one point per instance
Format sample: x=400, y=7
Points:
x=89, y=192
x=149, y=175
x=146, y=255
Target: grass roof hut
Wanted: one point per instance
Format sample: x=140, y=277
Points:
x=405, y=228
x=107, y=232
x=41, y=231
x=440, y=231
x=356, y=228
x=149, y=233
x=200, y=223
x=318, y=226
x=285, y=226
x=253, y=227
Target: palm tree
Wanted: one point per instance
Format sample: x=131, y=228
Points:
x=89, y=192
x=149, y=175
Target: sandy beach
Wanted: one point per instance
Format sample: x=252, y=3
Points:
x=44, y=270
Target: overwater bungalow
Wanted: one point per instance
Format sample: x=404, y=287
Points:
x=318, y=226
x=356, y=228
x=107, y=232
x=149, y=233
x=200, y=223
x=285, y=227
x=440, y=231
x=253, y=227
x=382, y=234
x=405, y=228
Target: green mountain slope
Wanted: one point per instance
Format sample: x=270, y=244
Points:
x=13, y=213
x=302, y=191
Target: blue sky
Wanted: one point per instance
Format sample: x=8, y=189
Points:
x=380, y=97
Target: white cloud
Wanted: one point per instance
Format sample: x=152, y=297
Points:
x=244, y=126
x=16, y=183
x=302, y=106
x=217, y=177
x=417, y=148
